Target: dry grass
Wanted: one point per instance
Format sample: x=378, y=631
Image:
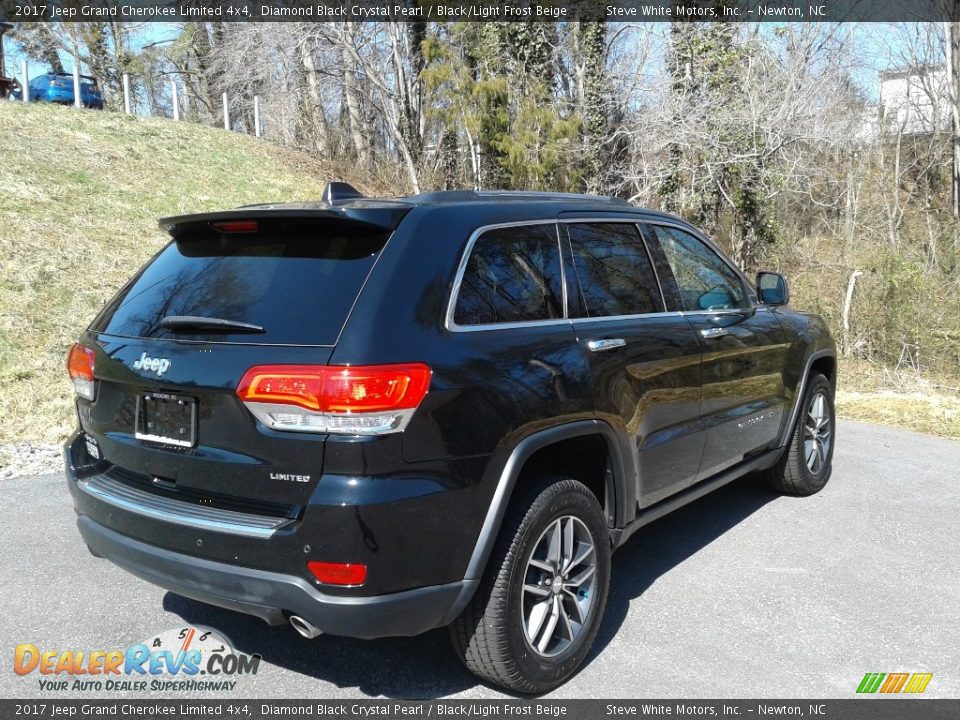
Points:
x=873, y=393
x=80, y=194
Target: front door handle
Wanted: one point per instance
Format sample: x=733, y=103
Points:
x=605, y=344
x=713, y=332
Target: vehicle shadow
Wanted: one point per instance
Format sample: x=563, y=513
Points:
x=657, y=548
x=425, y=667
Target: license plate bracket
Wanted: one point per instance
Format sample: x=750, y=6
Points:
x=166, y=419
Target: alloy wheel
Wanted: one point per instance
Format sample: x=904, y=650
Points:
x=558, y=586
x=817, y=433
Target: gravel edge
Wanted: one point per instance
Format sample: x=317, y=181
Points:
x=26, y=459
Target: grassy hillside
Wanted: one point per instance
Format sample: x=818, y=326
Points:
x=80, y=194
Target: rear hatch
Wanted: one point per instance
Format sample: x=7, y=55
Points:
x=231, y=291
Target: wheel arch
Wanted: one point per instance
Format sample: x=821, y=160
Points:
x=821, y=361
x=540, y=445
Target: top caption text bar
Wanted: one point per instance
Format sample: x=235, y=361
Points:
x=479, y=10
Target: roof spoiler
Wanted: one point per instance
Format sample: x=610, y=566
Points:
x=339, y=205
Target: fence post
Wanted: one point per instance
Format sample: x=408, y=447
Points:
x=126, y=93
x=25, y=90
x=256, y=116
x=77, y=101
x=176, y=99
x=226, y=113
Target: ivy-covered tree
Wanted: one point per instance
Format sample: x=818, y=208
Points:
x=494, y=86
x=720, y=181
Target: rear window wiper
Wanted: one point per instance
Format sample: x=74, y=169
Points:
x=194, y=322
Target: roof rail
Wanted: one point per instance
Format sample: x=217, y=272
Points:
x=547, y=195
x=477, y=195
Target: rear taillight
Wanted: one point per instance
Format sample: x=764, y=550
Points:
x=80, y=367
x=362, y=400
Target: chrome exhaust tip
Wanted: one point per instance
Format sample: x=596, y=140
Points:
x=305, y=628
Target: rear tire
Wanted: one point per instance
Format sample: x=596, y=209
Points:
x=807, y=461
x=550, y=568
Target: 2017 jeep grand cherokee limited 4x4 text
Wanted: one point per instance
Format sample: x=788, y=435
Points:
x=376, y=417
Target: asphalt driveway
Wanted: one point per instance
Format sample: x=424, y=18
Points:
x=742, y=594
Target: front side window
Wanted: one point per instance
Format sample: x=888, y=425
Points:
x=704, y=280
x=613, y=270
x=513, y=275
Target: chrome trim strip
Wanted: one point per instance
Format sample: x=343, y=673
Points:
x=722, y=312
x=640, y=316
x=262, y=412
x=452, y=326
x=506, y=326
x=140, y=502
x=563, y=273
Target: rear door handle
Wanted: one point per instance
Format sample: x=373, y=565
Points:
x=605, y=344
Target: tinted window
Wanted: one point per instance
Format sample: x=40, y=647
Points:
x=513, y=275
x=704, y=280
x=613, y=270
x=298, y=285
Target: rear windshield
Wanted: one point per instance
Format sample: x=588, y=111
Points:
x=298, y=286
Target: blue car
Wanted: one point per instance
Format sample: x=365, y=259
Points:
x=58, y=88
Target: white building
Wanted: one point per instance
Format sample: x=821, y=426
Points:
x=914, y=100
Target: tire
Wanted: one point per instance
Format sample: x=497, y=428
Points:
x=799, y=472
x=492, y=636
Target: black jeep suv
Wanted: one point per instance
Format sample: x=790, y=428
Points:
x=374, y=417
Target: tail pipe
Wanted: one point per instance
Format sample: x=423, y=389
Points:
x=304, y=627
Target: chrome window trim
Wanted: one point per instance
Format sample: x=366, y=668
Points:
x=668, y=313
x=449, y=323
x=638, y=316
x=626, y=219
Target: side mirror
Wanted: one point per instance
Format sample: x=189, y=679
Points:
x=772, y=288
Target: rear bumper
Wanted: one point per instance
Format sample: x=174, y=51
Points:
x=257, y=572
x=274, y=596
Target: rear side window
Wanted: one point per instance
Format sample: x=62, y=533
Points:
x=513, y=275
x=298, y=285
x=704, y=279
x=614, y=270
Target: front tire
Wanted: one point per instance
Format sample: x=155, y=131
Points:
x=807, y=461
x=539, y=605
